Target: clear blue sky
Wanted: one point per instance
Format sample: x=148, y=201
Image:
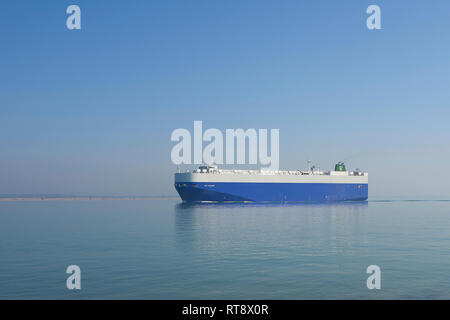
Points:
x=91, y=111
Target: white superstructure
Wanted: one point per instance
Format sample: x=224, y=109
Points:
x=213, y=174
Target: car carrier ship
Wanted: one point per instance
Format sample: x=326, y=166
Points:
x=210, y=184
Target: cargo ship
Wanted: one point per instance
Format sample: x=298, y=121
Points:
x=208, y=183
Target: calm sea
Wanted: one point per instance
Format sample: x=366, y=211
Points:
x=162, y=249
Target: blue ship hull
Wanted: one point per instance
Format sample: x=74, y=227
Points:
x=271, y=192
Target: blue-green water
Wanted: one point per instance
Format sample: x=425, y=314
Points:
x=161, y=249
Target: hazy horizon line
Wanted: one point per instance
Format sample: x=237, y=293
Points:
x=56, y=196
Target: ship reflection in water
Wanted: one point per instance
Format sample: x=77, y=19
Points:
x=272, y=231
x=316, y=251
x=275, y=250
x=163, y=249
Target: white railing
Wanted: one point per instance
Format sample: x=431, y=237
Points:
x=271, y=172
x=261, y=172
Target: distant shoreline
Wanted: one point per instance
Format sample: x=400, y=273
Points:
x=84, y=198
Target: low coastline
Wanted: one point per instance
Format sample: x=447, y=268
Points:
x=83, y=198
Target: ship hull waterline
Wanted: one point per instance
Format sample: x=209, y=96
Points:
x=271, y=192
